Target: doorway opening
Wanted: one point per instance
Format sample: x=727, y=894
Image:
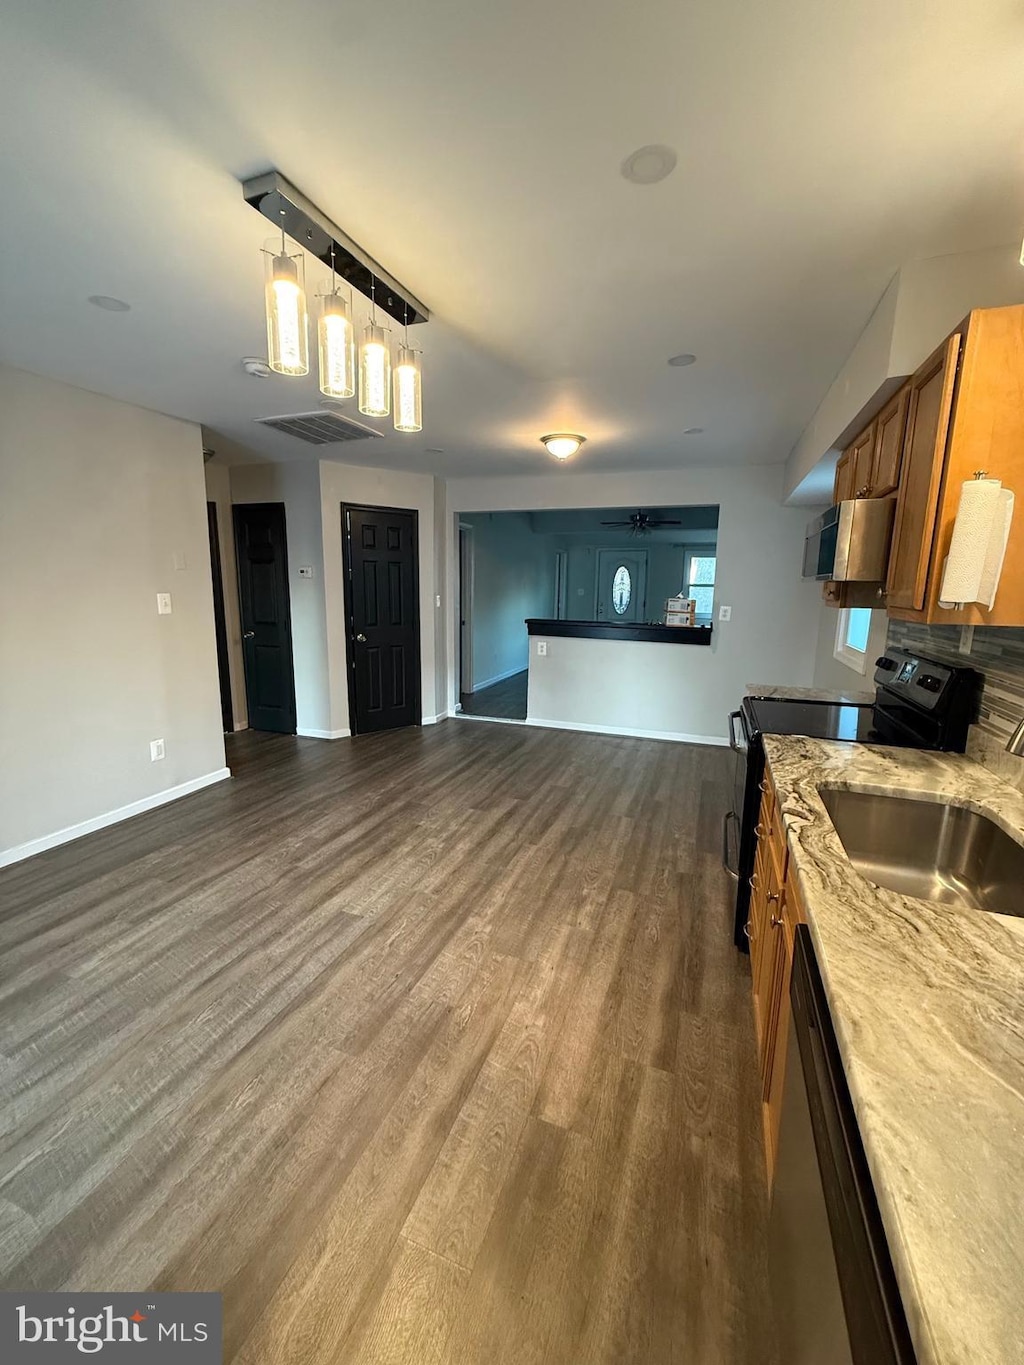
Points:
x=261, y=548
x=380, y=548
x=220, y=624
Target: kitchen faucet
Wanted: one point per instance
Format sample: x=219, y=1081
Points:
x=1015, y=744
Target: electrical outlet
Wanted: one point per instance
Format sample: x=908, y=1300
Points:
x=163, y=604
x=156, y=750
x=305, y=571
x=725, y=613
x=180, y=561
x=542, y=647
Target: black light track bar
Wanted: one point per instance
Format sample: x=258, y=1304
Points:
x=283, y=205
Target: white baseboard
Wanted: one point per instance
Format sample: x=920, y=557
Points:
x=324, y=734
x=110, y=817
x=432, y=720
x=676, y=737
x=499, y=677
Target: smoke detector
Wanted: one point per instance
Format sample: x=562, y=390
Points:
x=255, y=367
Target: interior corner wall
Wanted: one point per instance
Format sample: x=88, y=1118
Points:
x=773, y=633
x=218, y=491
x=297, y=485
x=440, y=611
x=832, y=673
x=102, y=506
x=342, y=483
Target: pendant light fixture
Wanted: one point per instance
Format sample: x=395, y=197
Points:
x=287, y=339
x=408, y=387
x=375, y=365
x=337, y=343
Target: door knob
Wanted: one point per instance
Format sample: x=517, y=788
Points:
x=361, y=638
x=249, y=635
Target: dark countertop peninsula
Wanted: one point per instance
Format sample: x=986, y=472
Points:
x=613, y=630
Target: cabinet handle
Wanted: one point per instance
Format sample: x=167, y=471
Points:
x=776, y=921
x=753, y=883
x=746, y=930
x=762, y=786
x=772, y=896
x=760, y=830
x=864, y=492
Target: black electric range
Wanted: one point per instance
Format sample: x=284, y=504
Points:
x=919, y=704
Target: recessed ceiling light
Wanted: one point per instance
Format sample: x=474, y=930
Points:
x=678, y=361
x=562, y=444
x=648, y=165
x=110, y=305
x=693, y=431
x=254, y=366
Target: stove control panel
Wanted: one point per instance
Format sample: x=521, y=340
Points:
x=919, y=681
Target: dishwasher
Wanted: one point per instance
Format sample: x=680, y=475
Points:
x=833, y=1284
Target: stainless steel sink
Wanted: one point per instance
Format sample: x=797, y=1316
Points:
x=935, y=852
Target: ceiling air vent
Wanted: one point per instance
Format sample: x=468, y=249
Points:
x=319, y=428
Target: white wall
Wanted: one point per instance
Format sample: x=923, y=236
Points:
x=513, y=578
x=297, y=485
x=377, y=488
x=831, y=672
x=98, y=502
x=218, y=491
x=775, y=613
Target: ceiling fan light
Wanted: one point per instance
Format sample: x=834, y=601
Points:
x=287, y=340
x=562, y=444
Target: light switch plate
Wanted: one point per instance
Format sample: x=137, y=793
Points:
x=163, y=604
x=725, y=613
x=180, y=561
x=542, y=646
x=156, y=750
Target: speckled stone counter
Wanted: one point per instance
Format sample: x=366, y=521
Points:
x=847, y=695
x=928, y=1006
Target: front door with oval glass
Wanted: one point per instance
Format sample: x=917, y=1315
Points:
x=621, y=585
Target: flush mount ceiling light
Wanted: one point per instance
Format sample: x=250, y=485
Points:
x=678, y=361
x=299, y=219
x=562, y=444
x=110, y=305
x=693, y=431
x=648, y=165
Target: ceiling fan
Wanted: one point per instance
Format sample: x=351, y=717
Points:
x=640, y=523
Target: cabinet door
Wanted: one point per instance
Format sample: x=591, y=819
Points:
x=890, y=425
x=843, y=489
x=861, y=453
x=930, y=403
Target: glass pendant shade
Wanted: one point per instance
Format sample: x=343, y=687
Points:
x=375, y=371
x=287, y=340
x=408, y=391
x=337, y=344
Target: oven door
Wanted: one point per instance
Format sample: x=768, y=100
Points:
x=732, y=821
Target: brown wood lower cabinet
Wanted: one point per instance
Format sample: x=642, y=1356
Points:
x=775, y=911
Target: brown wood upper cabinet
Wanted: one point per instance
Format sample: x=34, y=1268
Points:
x=853, y=471
x=965, y=412
x=887, y=454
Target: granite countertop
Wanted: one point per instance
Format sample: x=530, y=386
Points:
x=928, y=1006
x=837, y=696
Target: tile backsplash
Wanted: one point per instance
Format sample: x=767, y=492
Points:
x=998, y=652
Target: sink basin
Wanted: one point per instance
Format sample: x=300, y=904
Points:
x=937, y=853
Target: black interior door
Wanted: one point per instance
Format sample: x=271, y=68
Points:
x=382, y=601
x=220, y=620
x=262, y=553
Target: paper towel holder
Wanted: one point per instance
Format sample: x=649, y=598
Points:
x=981, y=473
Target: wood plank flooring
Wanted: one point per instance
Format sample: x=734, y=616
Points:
x=505, y=700
x=422, y=1047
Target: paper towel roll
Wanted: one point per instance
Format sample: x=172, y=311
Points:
x=978, y=547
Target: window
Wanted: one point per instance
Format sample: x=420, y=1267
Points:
x=622, y=590
x=852, y=637
x=699, y=581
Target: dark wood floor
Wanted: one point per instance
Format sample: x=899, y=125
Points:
x=422, y=1047
x=505, y=700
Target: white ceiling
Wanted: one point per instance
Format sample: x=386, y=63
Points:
x=474, y=149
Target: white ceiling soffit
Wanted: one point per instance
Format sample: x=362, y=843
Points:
x=818, y=148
